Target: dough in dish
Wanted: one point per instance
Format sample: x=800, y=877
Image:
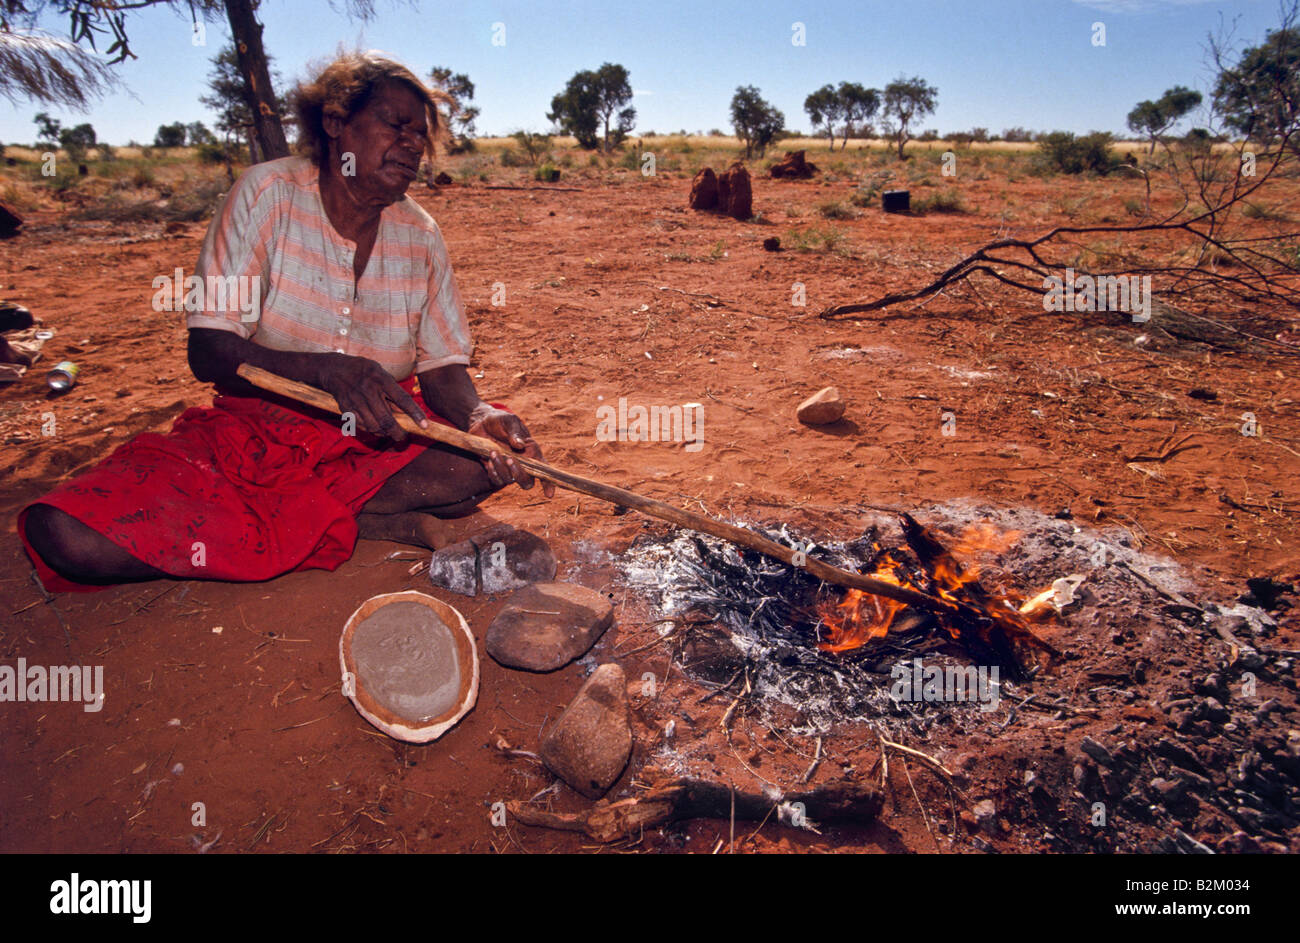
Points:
x=410, y=665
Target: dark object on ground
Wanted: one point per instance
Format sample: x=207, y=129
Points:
x=83, y=170
x=1266, y=593
x=704, y=190
x=772, y=244
x=547, y=174
x=896, y=201
x=735, y=193
x=1199, y=393
x=10, y=221
x=793, y=166
x=840, y=802
x=10, y=355
x=443, y=179
x=14, y=317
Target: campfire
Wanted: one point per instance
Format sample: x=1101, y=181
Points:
x=827, y=651
x=926, y=565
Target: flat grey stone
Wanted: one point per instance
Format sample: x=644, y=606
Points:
x=455, y=567
x=498, y=560
x=509, y=559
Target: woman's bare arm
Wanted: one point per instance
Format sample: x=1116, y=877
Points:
x=360, y=385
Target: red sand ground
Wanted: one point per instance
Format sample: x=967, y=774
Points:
x=240, y=683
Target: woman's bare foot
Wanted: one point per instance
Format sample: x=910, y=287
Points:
x=414, y=528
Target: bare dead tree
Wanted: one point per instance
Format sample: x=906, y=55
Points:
x=1212, y=250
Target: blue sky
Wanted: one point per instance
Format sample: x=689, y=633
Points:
x=996, y=63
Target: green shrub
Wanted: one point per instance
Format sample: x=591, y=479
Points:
x=1065, y=153
x=533, y=146
x=812, y=239
x=944, y=201
x=547, y=173
x=1256, y=211
x=212, y=153
x=836, y=209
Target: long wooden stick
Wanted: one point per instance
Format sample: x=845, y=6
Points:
x=682, y=518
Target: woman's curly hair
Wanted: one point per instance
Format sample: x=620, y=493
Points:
x=344, y=87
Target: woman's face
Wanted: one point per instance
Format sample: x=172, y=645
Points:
x=385, y=139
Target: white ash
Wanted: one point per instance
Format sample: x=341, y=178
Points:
x=824, y=689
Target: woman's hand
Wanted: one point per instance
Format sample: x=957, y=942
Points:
x=365, y=389
x=506, y=428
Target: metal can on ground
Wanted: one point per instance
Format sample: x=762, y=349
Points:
x=63, y=377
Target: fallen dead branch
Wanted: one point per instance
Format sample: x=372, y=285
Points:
x=1209, y=257
x=845, y=803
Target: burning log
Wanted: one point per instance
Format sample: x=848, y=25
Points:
x=987, y=626
x=606, y=821
x=997, y=626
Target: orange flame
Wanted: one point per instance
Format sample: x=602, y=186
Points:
x=861, y=616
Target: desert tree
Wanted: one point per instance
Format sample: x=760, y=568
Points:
x=1154, y=118
x=48, y=129
x=755, y=121
x=906, y=100
x=170, y=135
x=38, y=65
x=825, y=110
x=592, y=100
x=860, y=105
x=197, y=134
x=228, y=98
x=77, y=141
x=851, y=106
x=461, y=115
x=1259, y=95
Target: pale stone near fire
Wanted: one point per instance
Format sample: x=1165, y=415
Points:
x=824, y=406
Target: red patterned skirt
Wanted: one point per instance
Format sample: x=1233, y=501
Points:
x=245, y=489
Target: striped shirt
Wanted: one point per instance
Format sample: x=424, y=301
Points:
x=271, y=233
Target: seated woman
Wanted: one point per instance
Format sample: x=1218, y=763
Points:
x=345, y=284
